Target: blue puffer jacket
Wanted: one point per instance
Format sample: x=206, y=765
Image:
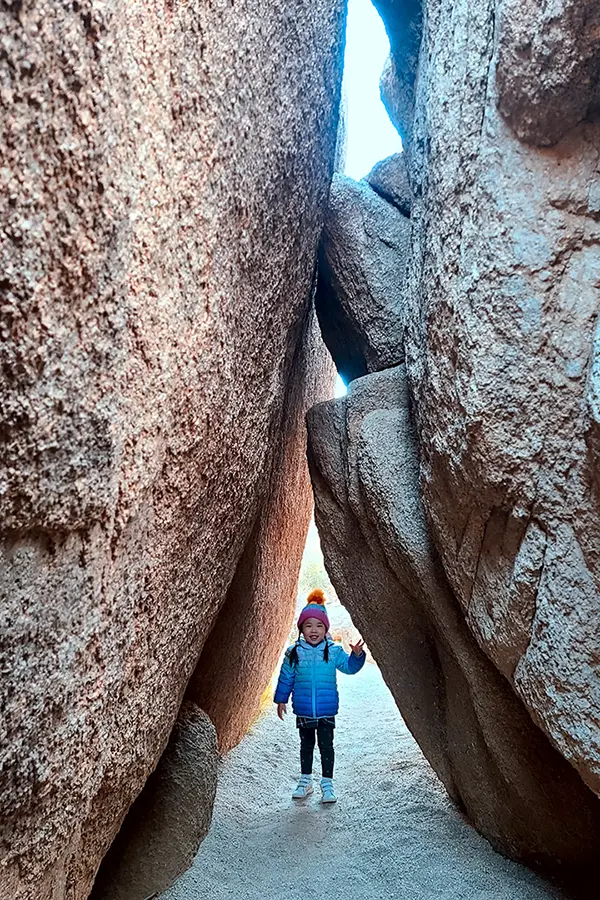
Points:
x=313, y=682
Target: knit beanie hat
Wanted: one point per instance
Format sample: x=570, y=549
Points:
x=314, y=609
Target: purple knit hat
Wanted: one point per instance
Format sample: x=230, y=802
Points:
x=314, y=609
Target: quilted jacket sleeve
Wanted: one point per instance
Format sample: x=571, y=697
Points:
x=349, y=663
x=285, y=684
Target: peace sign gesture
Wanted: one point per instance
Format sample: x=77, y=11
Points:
x=357, y=648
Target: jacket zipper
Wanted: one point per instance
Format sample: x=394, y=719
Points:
x=314, y=685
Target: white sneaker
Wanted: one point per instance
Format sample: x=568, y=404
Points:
x=304, y=789
x=327, y=791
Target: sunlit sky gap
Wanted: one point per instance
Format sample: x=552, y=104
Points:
x=339, y=389
x=371, y=135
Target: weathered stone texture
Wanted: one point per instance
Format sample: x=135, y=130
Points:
x=392, y=97
x=171, y=817
x=494, y=761
x=389, y=178
x=505, y=291
x=403, y=21
x=548, y=72
x=362, y=261
x=490, y=641
x=164, y=173
x=235, y=666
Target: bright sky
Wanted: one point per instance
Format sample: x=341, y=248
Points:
x=371, y=135
x=339, y=388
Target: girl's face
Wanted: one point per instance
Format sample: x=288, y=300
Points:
x=313, y=631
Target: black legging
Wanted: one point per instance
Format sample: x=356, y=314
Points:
x=324, y=733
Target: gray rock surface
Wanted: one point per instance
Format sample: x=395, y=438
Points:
x=494, y=761
x=394, y=99
x=504, y=293
x=362, y=260
x=389, y=178
x=548, y=70
x=164, y=175
x=165, y=826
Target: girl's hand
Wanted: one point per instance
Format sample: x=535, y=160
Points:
x=357, y=648
x=281, y=710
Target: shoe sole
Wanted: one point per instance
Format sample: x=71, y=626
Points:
x=333, y=800
x=304, y=796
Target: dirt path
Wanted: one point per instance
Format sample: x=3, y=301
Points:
x=392, y=834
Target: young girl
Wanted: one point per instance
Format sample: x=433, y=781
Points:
x=308, y=672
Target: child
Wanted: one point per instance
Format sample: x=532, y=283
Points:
x=308, y=672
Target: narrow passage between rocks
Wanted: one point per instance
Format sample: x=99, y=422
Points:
x=393, y=833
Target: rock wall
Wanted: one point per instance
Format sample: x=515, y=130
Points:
x=501, y=306
x=492, y=758
x=505, y=288
x=235, y=665
x=169, y=819
x=164, y=171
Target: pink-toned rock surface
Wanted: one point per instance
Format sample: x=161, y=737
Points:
x=548, y=70
x=164, y=169
x=494, y=761
x=169, y=819
x=244, y=646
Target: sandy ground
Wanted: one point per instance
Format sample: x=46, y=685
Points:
x=392, y=834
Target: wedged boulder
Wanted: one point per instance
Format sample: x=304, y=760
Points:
x=165, y=826
x=548, y=70
x=362, y=261
x=389, y=178
x=494, y=761
x=504, y=291
x=165, y=170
